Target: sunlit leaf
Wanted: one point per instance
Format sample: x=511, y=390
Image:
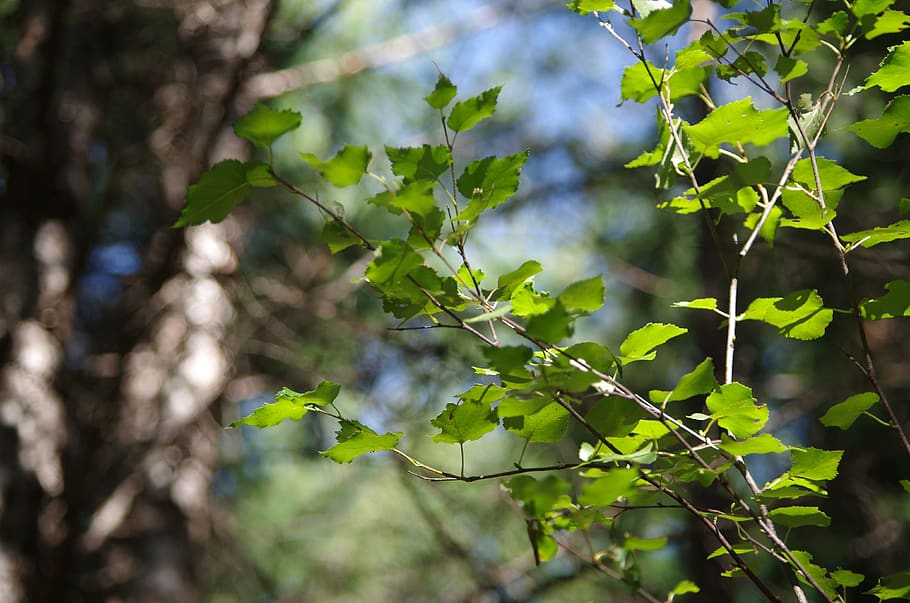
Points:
x=604, y=491
x=467, y=113
x=344, y=169
x=702, y=303
x=896, y=302
x=263, y=125
x=509, y=282
x=760, y=444
x=488, y=182
x=696, y=383
x=797, y=517
x=442, y=94
x=660, y=18
x=583, y=296
x=290, y=405
x=641, y=343
x=847, y=578
x=814, y=464
x=548, y=424
x=415, y=197
x=395, y=259
x=892, y=74
x=460, y=423
x=843, y=415
x=889, y=22
x=799, y=315
x=355, y=439
x=583, y=7
x=216, y=193
x=633, y=543
x=734, y=409
x=419, y=163
x=879, y=234
x=737, y=122
x=682, y=588
x=790, y=69
x=893, y=586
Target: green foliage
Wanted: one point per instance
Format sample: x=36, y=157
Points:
x=635, y=453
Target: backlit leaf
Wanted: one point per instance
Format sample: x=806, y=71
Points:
x=896, y=302
x=583, y=296
x=548, y=424
x=734, y=409
x=460, y=423
x=660, y=18
x=419, y=163
x=892, y=74
x=344, y=169
x=737, y=122
x=467, y=113
x=696, y=383
x=843, y=414
x=799, y=315
x=878, y=235
x=289, y=405
x=442, y=94
x=488, y=182
x=881, y=132
x=760, y=444
x=604, y=491
x=263, y=125
x=640, y=344
x=583, y=7
x=797, y=517
x=814, y=464
x=510, y=281
x=355, y=439
x=893, y=586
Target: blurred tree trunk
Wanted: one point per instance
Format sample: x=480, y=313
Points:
x=111, y=324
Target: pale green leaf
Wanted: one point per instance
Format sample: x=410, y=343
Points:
x=734, y=409
x=843, y=414
x=548, y=424
x=799, y=315
x=641, y=343
x=878, y=235
x=263, y=125
x=760, y=444
x=814, y=464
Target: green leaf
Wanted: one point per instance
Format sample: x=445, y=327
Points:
x=892, y=74
x=337, y=237
x=799, y=315
x=894, y=586
x=344, y=169
x=509, y=361
x=263, y=125
x=739, y=549
x=509, y=282
x=259, y=174
x=355, y=439
x=682, y=588
x=605, y=490
x=442, y=94
x=702, y=303
x=583, y=7
x=889, y=22
x=817, y=572
x=583, y=296
x=633, y=543
x=878, y=235
x=395, y=259
x=548, y=424
x=836, y=24
x=832, y=176
x=537, y=497
x=760, y=444
x=290, y=405
x=737, y=122
x=696, y=383
x=419, y=163
x=216, y=193
x=846, y=578
x=843, y=415
x=614, y=416
x=814, y=464
x=552, y=326
x=734, y=409
x=467, y=113
x=415, y=197
x=660, y=18
x=641, y=343
x=797, y=517
x=790, y=69
x=896, y=302
x=488, y=182
x=527, y=303
x=905, y=484
x=460, y=423
x=637, y=84
x=881, y=132
x=861, y=8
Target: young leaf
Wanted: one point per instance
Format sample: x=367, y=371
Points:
x=896, y=302
x=583, y=296
x=737, y=122
x=682, y=588
x=734, y=409
x=702, y=303
x=419, y=163
x=460, y=423
x=641, y=343
x=843, y=415
x=442, y=94
x=344, y=169
x=216, y=193
x=355, y=439
x=527, y=303
x=799, y=315
x=892, y=74
x=881, y=132
x=290, y=405
x=467, y=113
x=660, y=18
x=488, y=182
x=814, y=464
x=548, y=424
x=878, y=235
x=263, y=125
x=797, y=517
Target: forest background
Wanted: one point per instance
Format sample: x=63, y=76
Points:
x=127, y=346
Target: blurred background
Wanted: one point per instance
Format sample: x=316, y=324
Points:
x=126, y=346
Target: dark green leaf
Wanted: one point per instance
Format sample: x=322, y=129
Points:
x=789, y=69
x=216, y=193
x=488, y=182
x=467, y=113
x=614, y=416
x=537, y=497
x=263, y=125
x=442, y=94
x=843, y=415
x=881, y=132
x=552, y=326
x=460, y=423
x=259, y=174
x=344, y=169
x=355, y=439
